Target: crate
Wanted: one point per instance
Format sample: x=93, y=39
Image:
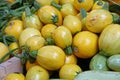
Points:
x=9, y=66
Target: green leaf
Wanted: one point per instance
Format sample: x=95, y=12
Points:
x=33, y=53
x=28, y=12
x=8, y=54
x=36, y=5
x=116, y=18
x=24, y=56
x=31, y=59
x=8, y=39
x=11, y=38
x=3, y=24
x=115, y=8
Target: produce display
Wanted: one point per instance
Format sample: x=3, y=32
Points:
x=61, y=39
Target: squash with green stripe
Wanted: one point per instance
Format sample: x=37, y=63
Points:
x=113, y=62
x=98, y=75
x=87, y=4
x=98, y=62
x=50, y=15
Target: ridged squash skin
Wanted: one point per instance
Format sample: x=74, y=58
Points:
x=27, y=33
x=98, y=75
x=50, y=15
x=15, y=76
x=98, y=62
x=85, y=44
x=32, y=21
x=37, y=73
x=46, y=2
x=62, y=37
x=72, y=23
x=97, y=20
x=3, y=50
x=87, y=4
x=114, y=62
x=51, y=57
x=109, y=40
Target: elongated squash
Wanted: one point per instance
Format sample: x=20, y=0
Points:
x=98, y=75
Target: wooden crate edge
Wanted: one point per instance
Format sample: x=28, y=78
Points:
x=9, y=66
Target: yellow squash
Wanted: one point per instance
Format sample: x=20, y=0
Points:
x=69, y=71
x=3, y=50
x=109, y=40
x=51, y=57
x=27, y=33
x=15, y=76
x=66, y=1
x=13, y=46
x=87, y=4
x=32, y=21
x=47, y=32
x=14, y=28
x=49, y=14
x=68, y=9
x=71, y=59
x=46, y=2
x=63, y=38
x=65, y=9
x=29, y=65
x=72, y=23
x=85, y=44
x=35, y=42
x=97, y=20
x=37, y=73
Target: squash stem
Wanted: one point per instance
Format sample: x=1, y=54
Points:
x=102, y=52
x=68, y=50
x=83, y=13
x=78, y=72
x=28, y=12
x=54, y=18
x=80, y=1
x=33, y=53
x=100, y=3
x=59, y=7
x=50, y=41
x=106, y=6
